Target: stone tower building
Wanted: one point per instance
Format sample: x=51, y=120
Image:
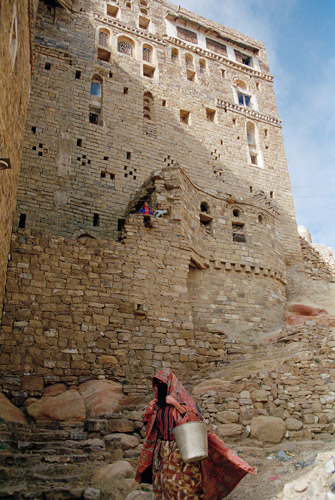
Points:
x=133, y=101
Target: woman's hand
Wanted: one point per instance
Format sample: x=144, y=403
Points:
x=172, y=401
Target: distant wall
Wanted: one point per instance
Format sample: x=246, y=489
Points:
x=16, y=24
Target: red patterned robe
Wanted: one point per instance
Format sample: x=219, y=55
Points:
x=220, y=472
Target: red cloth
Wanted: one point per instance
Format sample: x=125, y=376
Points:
x=221, y=471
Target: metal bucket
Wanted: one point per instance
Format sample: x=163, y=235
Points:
x=192, y=441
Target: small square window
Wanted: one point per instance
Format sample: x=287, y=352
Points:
x=47, y=66
x=174, y=55
x=95, y=116
x=143, y=22
x=184, y=116
x=112, y=10
x=210, y=114
x=253, y=158
x=190, y=75
x=148, y=71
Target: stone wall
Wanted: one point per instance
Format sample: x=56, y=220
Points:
x=16, y=25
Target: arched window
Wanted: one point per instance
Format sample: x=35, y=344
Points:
x=125, y=46
x=96, y=88
x=104, y=38
x=189, y=61
x=147, y=53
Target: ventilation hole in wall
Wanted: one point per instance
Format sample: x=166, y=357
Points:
x=134, y=177
x=234, y=121
x=47, y=66
x=266, y=147
x=126, y=175
x=120, y=224
x=40, y=145
x=40, y=153
x=83, y=163
x=33, y=129
x=34, y=148
x=79, y=142
x=84, y=156
x=221, y=142
x=125, y=90
x=238, y=137
x=103, y=175
x=78, y=158
x=128, y=155
x=257, y=85
x=223, y=73
x=112, y=176
x=125, y=167
x=106, y=158
x=78, y=75
x=130, y=173
x=164, y=103
x=22, y=221
x=110, y=74
x=265, y=132
x=250, y=189
x=271, y=194
x=236, y=212
x=88, y=162
x=96, y=220
x=260, y=219
x=135, y=170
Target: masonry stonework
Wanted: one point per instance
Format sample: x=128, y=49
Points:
x=133, y=102
x=16, y=25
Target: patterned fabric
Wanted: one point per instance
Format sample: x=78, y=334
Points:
x=165, y=423
x=221, y=471
x=173, y=479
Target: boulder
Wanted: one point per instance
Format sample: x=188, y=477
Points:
x=229, y=430
x=267, y=429
x=120, y=440
x=67, y=407
x=140, y=495
x=101, y=397
x=92, y=494
x=292, y=424
x=107, y=473
x=54, y=390
x=227, y=417
x=9, y=412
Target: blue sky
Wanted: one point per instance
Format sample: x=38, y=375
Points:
x=300, y=42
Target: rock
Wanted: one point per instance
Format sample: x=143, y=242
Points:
x=101, y=397
x=259, y=395
x=230, y=430
x=94, y=445
x=140, y=495
x=67, y=407
x=109, y=472
x=120, y=440
x=63, y=494
x=9, y=412
x=54, y=390
x=92, y=494
x=227, y=417
x=292, y=424
x=267, y=429
x=120, y=425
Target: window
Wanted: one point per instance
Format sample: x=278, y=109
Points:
x=96, y=89
x=147, y=53
x=238, y=232
x=210, y=115
x=143, y=23
x=112, y=10
x=244, y=100
x=184, y=116
x=148, y=71
x=190, y=75
x=125, y=46
x=103, y=39
x=174, y=55
x=254, y=154
x=202, y=66
x=95, y=115
x=189, y=61
x=148, y=101
x=217, y=47
x=243, y=58
x=187, y=35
